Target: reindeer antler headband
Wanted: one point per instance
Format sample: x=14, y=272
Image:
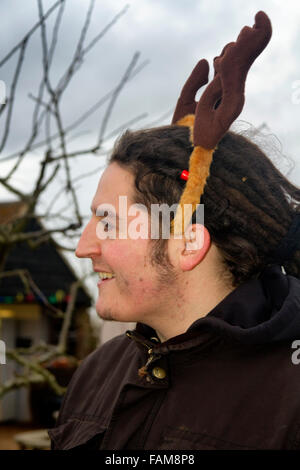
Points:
x=220, y=104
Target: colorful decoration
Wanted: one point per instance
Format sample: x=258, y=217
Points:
x=52, y=299
x=19, y=297
x=59, y=297
x=30, y=298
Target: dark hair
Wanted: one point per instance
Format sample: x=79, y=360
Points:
x=248, y=203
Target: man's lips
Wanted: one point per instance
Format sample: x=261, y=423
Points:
x=101, y=281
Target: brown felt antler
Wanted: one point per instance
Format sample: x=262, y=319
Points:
x=223, y=99
x=186, y=104
x=220, y=104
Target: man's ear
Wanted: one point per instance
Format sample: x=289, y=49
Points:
x=196, y=244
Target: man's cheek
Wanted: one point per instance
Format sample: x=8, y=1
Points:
x=138, y=286
x=122, y=283
x=147, y=287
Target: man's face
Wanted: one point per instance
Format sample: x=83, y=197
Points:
x=137, y=291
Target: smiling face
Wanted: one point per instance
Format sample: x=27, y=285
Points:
x=138, y=290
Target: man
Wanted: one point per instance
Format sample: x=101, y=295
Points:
x=210, y=364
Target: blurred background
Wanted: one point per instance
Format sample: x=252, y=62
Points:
x=78, y=73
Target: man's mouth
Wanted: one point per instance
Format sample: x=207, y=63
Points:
x=104, y=277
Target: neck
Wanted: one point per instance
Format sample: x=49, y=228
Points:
x=193, y=298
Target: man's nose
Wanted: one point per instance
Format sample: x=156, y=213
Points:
x=89, y=243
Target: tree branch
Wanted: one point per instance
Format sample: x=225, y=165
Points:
x=30, y=32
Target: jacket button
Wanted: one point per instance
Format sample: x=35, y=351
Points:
x=153, y=338
x=159, y=373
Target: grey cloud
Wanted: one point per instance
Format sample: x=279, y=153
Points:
x=173, y=35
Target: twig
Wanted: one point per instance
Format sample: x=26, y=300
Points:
x=62, y=342
x=26, y=236
x=107, y=28
x=114, y=97
x=160, y=119
x=19, y=382
x=84, y=116
x=90, y=173
x=10, y=188
x=119, y=129
x=12, y=93
x=78, y=58
x=30, y=32
x=38, y=369
x=36, y=122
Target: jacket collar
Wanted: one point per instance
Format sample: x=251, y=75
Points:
x=262, y=310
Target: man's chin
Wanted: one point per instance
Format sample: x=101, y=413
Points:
x=106, y=315
x=109, y=315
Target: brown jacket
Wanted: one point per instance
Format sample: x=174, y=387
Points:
x=227, y=383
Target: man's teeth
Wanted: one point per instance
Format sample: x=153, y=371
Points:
x=106, y=275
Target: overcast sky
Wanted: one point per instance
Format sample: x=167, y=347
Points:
x=172, y=35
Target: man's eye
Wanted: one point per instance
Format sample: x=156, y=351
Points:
x=107, y=226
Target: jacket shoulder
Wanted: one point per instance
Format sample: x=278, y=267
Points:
x=108, y=350
x=93, y=373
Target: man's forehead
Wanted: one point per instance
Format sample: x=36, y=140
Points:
x=114, y=183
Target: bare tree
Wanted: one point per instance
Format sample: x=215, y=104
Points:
x=51, y=137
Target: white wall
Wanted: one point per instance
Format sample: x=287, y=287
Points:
x=8, y=403
x=15, y=404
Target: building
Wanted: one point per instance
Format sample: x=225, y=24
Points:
x=25, y=320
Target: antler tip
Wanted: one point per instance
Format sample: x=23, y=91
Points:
x=262, y=21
